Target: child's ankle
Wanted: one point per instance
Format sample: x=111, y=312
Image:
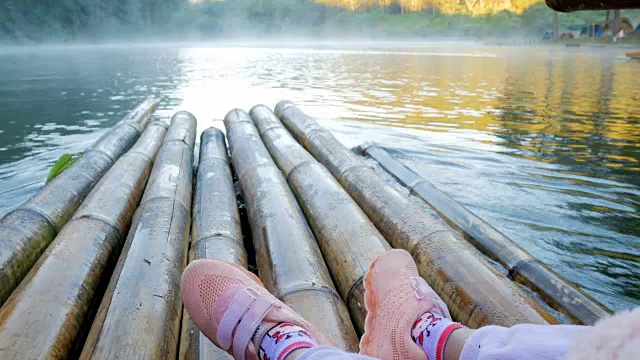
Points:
x=456, y=343
x=431, y=332
x=278, y=341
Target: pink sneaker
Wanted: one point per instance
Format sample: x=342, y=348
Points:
x=395, y=297
x=229, y=305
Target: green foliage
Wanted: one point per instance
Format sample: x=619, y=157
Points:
x=170, y=20
x=62, y=164
x=40, y=20
x=531, y=23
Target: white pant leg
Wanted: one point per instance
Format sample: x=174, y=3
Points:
x=331, y=353
x=521, y=342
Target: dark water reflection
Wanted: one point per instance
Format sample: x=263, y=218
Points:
x=542, y=143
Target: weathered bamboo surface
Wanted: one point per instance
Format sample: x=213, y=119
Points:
x=48, y=314
x=142, y=317
x=475, y=292
x=347, y=238
x=216, y=230
x=289, y=261
x=26, y=231
x=521, y=265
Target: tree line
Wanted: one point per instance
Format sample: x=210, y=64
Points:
x=474, y=7
x=42, y=20
x=176, y=20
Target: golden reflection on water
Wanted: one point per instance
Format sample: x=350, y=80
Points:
x=547, y=104
x=541, y=142
x=542, y=102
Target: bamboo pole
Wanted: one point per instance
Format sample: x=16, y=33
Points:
x=216, y=230
x=48, y=314
x=522, y=266
x=216, y=222
x=347, y=238
x=474, y=291
x=26, y=231
x=289, y=261
x=146, y=295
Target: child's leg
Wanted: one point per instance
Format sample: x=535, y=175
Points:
x=526, y=342
x=407, y=320
x=327, y=353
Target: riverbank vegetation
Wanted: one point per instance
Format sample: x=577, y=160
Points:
x=34, y=21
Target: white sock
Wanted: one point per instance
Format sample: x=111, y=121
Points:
x=431, y=332
x=283, y=339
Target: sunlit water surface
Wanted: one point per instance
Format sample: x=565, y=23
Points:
x=542, y=143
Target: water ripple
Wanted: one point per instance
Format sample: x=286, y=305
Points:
x=540, y=142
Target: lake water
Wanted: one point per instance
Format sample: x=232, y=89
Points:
x=543, y=143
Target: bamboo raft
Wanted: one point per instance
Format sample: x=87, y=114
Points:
x=90, y=266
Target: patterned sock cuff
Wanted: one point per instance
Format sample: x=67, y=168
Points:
x=431, y=332
x=283, y=339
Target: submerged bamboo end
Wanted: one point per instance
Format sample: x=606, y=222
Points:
x=236, y=116
x=264, y=119
x=182, y=128
x=282, y=106
x=141, y=114
x=212, y=145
